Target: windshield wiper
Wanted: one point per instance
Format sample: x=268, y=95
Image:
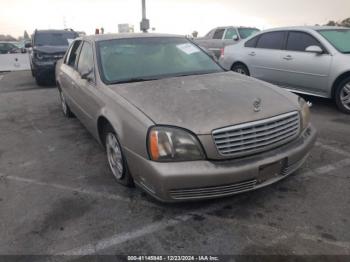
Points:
x=197, y=73
x=133, y=80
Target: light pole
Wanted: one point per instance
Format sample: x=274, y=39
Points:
x=144, y=25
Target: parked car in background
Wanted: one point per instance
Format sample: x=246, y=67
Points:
x=48, y=46
x=220, y=37
x=9, y=48
x=307, y=60
x=175, y=123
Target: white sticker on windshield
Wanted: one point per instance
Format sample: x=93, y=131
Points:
x=188, y=48
x=70, y=41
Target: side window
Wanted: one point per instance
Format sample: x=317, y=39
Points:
x=210, y=34
x=272, y=40
x=299, y=41
x=86, y=60
x=73, y=53
x=252, y=42
x=3, y=49
x=231, y=33
x=219, y=33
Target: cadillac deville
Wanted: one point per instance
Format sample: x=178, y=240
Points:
x=175, y=123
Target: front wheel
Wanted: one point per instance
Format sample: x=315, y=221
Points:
x=116, y=159
x=240, y=69
x=342, y=96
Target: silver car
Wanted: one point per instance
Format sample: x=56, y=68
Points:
x=177, y=125
x=308, y=60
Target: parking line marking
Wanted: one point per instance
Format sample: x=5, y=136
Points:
x=117, y=239
x=283, y=234
x=334, y=149
x=36, y=128
x=325, y=169
x=79, y=190
x=121, y=238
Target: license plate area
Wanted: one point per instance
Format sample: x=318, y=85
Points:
x=271, y=171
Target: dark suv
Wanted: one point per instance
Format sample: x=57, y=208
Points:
x=48, y=47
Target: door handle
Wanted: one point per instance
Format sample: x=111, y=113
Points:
x=288, y=58
x=252, y=54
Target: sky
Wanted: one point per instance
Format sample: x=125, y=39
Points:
x=166, y=16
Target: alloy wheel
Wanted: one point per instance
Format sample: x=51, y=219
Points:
x=345, y=96
x=114, y=156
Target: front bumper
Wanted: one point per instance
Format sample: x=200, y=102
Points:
x=44, y=68
x=171, y=182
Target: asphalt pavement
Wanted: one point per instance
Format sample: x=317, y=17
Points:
x=57, y=196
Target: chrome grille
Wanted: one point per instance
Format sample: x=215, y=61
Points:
x=257, y=136
x=209, y=192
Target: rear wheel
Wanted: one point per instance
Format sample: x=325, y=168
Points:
x=240, y=69
x=342, y=96
x=115, y=157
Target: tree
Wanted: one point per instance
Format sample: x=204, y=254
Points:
x=345, y=22
x=331, y=23
x=26, y=36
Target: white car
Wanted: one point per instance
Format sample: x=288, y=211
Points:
x=307, y=60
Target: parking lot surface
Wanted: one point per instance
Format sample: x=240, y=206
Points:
x=57, y=195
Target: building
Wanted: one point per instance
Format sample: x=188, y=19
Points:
x=125, y=28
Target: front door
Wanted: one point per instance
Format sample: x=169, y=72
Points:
x=304, y=71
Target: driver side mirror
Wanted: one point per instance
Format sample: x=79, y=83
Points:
x=27, y=45
x=235, y=38
x=314, y=49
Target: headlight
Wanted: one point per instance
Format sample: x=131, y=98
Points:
x=166, y=144
x=305, y=113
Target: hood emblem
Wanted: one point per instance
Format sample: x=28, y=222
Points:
x=257, y=105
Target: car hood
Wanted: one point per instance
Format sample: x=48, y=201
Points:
x=202, y=103
x=51, y=49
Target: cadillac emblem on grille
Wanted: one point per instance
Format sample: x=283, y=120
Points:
x=257, y=105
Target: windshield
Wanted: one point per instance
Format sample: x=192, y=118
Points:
x=246, y=32
x=339, y=38
x=54, y=38
x=133, y=59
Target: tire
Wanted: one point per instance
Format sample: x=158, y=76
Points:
x=40, y=81
x=115, y=157
x=65, y=108
x=342, y=96
x=240, y=69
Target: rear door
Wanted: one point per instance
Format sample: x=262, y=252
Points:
x=264, y=60
x=67, y=75
x=86, y=92
x=304, y=71
x=217, y=43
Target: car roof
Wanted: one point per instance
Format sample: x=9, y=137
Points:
x=232, y=26
x=104, y=37
x=53, y=31
x=305, y=28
